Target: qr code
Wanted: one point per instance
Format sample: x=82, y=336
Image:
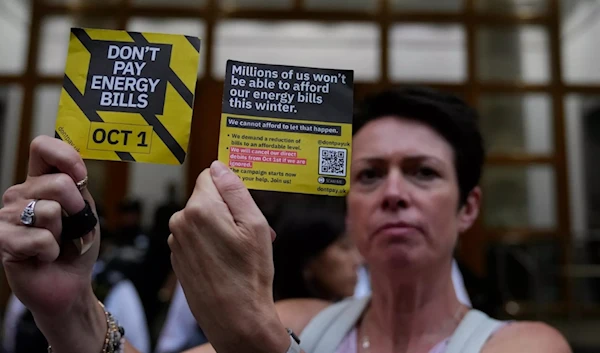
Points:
x=332, y=161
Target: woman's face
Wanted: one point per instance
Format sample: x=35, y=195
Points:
x=404, y=196
x=334, y=271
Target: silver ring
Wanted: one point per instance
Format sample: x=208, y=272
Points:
x=82, y=184
x=28, y=214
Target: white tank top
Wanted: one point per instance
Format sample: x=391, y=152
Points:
x=333, y=330
x=349, y=343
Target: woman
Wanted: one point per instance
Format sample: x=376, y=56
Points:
x=416, y=164
x=313, y=255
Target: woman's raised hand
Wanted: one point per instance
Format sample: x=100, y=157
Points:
x=50, y=277
x=221, y=253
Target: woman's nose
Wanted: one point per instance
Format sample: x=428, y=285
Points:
x=395, y=194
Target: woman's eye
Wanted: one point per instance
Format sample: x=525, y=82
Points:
x=426, y=173
x=367, y=175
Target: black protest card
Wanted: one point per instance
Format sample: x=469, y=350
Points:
x=288, y=128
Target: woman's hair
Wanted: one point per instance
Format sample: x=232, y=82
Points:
x=305, y=227
x=445, y=113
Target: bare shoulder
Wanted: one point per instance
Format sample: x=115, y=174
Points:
x=297, y=313
x=530, y=337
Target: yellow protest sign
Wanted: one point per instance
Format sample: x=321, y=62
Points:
x=288, y=128
x=128, y=96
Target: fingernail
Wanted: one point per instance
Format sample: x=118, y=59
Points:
x=217, y=169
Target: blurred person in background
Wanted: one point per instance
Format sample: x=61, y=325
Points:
x=313, y=255
x=156, y=282
x=180, y=330
x=133, y=247
x=129, y=232
x=164, y=211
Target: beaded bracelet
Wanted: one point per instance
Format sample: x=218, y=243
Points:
x=114, y=341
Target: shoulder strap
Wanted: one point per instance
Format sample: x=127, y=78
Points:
x=325, y=332
x=472, y=333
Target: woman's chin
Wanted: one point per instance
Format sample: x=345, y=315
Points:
x=398, y=257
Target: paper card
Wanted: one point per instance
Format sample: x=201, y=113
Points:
x=288, y=128
x=129, y=96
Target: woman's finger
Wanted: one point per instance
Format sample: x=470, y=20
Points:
x=57, y=187
x=174, y=245
x=235, y=194
x=18, y=243
x=48, y=215
x=48, y=154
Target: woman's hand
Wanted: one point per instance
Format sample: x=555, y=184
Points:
x=221, y=253
x=52, y=280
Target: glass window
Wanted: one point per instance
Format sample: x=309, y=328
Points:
x=513, y=54
x=189, y=27
x=45, y=109
x=78, y=2
x=582, y=115
x=255, y=4
x=171, y=3
x=14, y=35
x=55, y=34
x=341, y=5
x=513, y=123
x=530, y=7
x=516, y=196
x=353, y=46
x=10, y=123
x=54, y=44
x=579, y=37
x=150, y=183
x=429, y=6
x=427, y=53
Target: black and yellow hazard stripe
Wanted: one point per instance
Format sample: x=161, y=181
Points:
x=171, y=128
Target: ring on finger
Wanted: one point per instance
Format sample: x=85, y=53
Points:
x=82, y=184
x=28, y=214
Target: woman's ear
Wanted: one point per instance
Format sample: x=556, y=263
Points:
x=469, y=212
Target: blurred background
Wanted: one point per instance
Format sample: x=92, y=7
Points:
x=531, y=67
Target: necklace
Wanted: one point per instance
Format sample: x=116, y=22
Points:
x=365, y=342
